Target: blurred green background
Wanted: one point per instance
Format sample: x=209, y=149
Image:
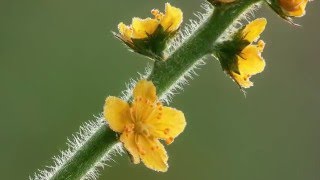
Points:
x=59, y=60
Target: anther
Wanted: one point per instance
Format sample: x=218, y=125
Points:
x=155, y=12
x=169, y=140
x=166, y=131
x=141, y=151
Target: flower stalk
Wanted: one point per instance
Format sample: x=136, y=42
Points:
x=165, y=75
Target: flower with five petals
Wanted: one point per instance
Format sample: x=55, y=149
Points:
x=142, y=123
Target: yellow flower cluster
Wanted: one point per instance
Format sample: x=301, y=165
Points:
x=142, y=123
x=293, y=8
x=170, y=22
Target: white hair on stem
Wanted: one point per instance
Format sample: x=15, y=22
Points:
x=74, y=144
x=237, y=24
x=188, y=30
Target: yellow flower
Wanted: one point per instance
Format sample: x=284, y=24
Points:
x=170, y=21
x=249, y=60
x=294, y=8
x=250, y=63
x=241, y=56
x=142, y=123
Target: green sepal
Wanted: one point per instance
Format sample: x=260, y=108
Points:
x=152, y=46
x=227, y=52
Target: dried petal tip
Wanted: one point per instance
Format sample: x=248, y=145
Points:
x=143, y=123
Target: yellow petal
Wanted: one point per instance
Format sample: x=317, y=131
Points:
x=172, y=18
x=250, y=61
x=117, y=113
x=295, y=13
x=125, y=31
x=169, y=125
x=145, y=89
x=253, y=30
x=143, y=27
x=152, y=153
x=300, y=11
x=242, y=80
x=128, y=140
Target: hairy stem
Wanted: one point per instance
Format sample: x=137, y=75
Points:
x=164, y=76
x=102, y=141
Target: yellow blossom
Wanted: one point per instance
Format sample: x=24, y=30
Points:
x=249, y=61
x=294, y=8
x=243, y=58
x=142, y=123
x=170, y=21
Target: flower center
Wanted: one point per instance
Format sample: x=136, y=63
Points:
x=142, y=112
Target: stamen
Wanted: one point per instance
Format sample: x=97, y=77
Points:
x=261, y=45
x=152, y=112
x=166, y=131
x=154, y=148
x=141, y=151
x=157, y=14
x=169, y=140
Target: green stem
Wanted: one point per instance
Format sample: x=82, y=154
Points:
x=164, y=76
x=100, y=143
